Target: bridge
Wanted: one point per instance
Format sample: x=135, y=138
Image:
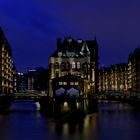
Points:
x=109, y=95
x=7, y=99
x=130, y=97
x=61, y=104
x=27, y=96
x=23, y=96
x=118, y=95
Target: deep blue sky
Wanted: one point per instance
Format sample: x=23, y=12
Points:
x=32, y=26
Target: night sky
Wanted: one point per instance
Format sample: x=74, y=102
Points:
x=32, y=27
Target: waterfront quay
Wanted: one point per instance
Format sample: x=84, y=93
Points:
x=130, y=97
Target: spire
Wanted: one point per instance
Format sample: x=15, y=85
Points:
x=85, y=49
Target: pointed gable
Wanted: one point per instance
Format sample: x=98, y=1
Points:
x=84, y=49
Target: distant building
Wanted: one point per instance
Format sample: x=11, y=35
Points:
x=104, y=79
x=37, y=79
x=122, y=76
x=134, y=70
x=74, y=64
x=6, y=73
x=14, y=78
x=21, y=82
x=113, y=78
x=31, y=80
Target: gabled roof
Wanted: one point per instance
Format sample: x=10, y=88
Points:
x=72, y=45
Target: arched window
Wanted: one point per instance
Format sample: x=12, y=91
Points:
x=68, y=65
x=85, y=67
x=63, y=65
x=56, y=65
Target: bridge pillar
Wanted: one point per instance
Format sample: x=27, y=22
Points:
x=5, y=102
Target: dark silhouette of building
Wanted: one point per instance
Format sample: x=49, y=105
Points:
x=6, y=72
x=37, y=79
x=14, y=79
x=21, y=82
x=134, y=70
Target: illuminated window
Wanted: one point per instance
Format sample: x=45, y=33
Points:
x=62, y=74
x=60, y=83
x=64, y=83
x=71, y=83
x=78, y=65
x=76, y=83
x=73, y=65
x=2, y=48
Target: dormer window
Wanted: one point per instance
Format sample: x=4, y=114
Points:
x=80, y=41
x=68, y=54
x=59, y=54
x=72, y=54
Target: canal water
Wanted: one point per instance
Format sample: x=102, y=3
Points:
x=113, y=121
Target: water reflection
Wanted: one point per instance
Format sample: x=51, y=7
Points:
x=118, y=121
x=68, y=128
x=114, y=121
x=84, y=129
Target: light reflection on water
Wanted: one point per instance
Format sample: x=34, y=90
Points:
x=114, y=121
x=83, y=130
